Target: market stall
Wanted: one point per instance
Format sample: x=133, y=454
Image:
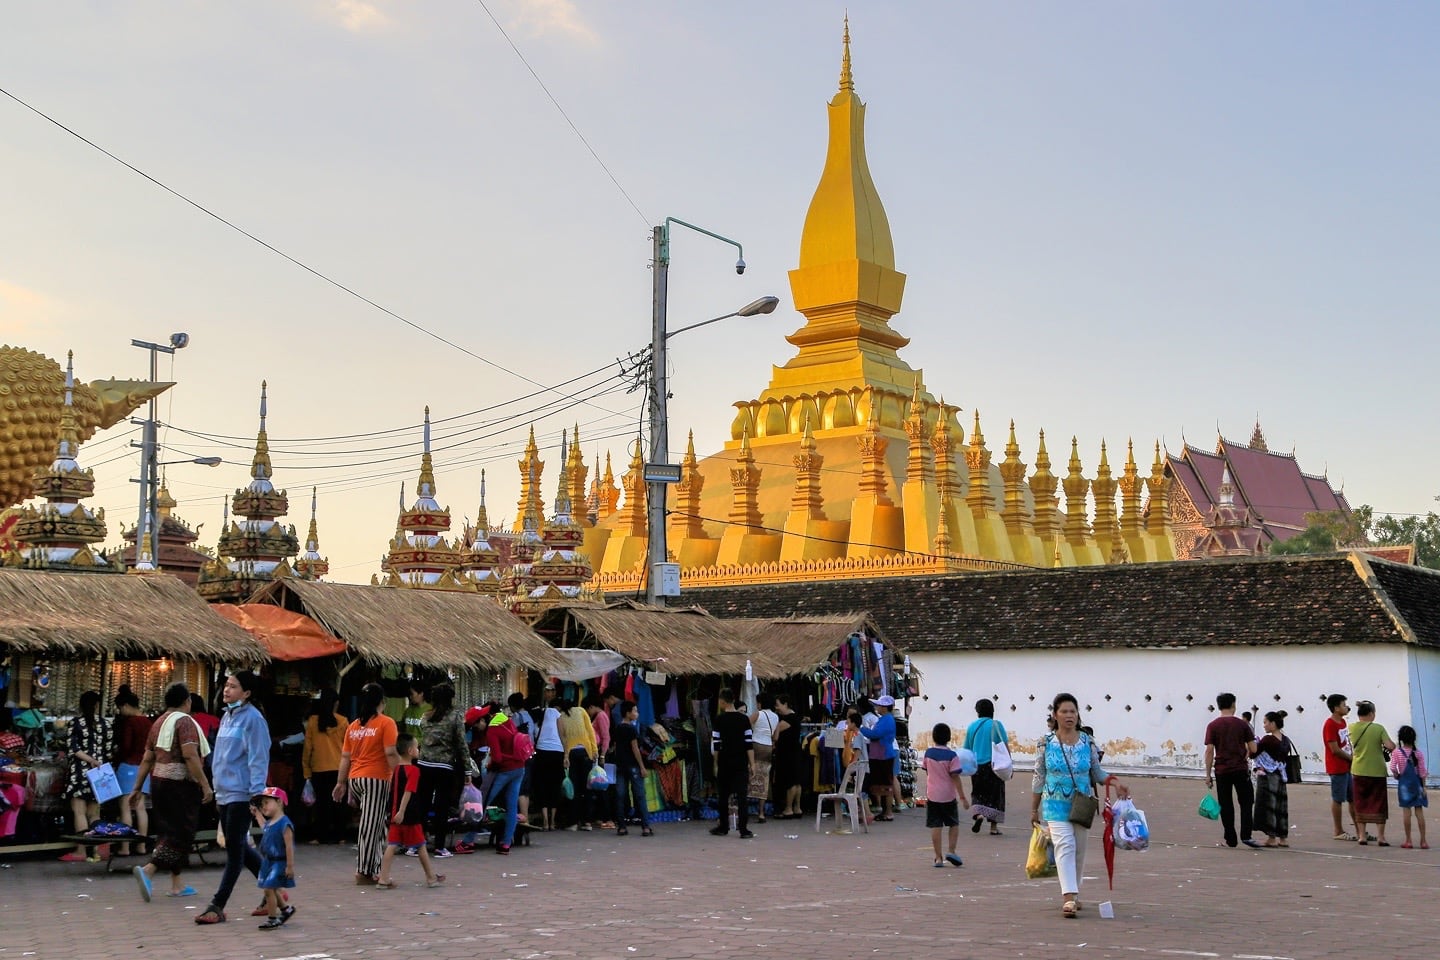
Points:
x=64, y=633
x=674, y=663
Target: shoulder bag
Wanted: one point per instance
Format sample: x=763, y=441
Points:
x=1083, y=806
x=1292, y=762
x=1001, y=763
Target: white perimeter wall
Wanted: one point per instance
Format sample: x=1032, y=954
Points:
x=1124, y=694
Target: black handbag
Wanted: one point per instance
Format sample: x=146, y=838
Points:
x=1292, y=763
x=1083, y=806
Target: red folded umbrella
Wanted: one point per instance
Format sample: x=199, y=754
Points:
x=1109, y=839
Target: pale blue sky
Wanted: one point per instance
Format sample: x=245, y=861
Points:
x=1124, y=219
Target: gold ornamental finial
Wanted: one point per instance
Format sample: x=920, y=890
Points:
x=69, y=444
x=426, y=488
x=482, y=516
x=260, y=468
x=847, y=81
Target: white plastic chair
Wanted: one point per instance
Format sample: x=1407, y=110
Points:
x=849, y=794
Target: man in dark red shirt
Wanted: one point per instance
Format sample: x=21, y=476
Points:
x=1229, y=745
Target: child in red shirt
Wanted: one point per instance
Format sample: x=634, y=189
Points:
x=407, y=819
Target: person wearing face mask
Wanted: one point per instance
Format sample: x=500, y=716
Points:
x=240, y=764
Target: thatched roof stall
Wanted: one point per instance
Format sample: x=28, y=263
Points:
x=681, y=641
x=400, y=626
x=122, y=617
x=791, y=646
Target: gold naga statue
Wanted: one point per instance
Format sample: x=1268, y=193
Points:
x=32, y=396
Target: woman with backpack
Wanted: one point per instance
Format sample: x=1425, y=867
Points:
x=1272, y=799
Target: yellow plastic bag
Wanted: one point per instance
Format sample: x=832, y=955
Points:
x=1041, y=859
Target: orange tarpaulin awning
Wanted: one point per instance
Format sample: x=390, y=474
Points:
x=284, y=635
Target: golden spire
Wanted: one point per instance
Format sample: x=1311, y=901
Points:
x=1076, y=486
x=609, y=493
x=632, y=515
x=919, y=465
x=164, y=503
x=977, y=458
x=69, y=446
x=874, y=475
x=562, y=485
x=1130, y=486
x=1042, y=491
x=1158, y=509
x=1103, y=488
x=576, y=470
x=685, y=520
x=426, y=488
x=744, y=483
x=531, y=506
x=942, y=445
x=807, y=496
x=847, y=82
x=846, y=284
x=482, y=516
x=1012, y=471
x=943, y=542
x=260, y=468
x=311, y=565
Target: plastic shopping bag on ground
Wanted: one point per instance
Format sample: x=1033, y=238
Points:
x=1041, y=859
x=1131, y=831
x=1209, y=807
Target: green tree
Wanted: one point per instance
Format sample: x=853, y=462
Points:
x=1424, y=532
x=1328, y=531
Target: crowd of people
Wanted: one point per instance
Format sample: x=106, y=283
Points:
x=1359, y=756
x=409, y=786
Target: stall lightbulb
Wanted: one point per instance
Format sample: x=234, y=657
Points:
x=165, y=665
x=749, y=672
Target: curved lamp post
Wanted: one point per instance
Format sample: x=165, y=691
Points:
x=659, y=472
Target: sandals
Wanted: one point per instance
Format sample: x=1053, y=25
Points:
x=979, y=822
x=940, y=864
x=386, y=884
x=954, y=859
x=1349, y=837
x=622, y=832
x=210, y=916
x=439, y=881
x=646, y=832
x=272, y=922
x=1071, y=910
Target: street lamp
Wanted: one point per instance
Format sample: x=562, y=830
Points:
x=659, y=472
x=149, y=479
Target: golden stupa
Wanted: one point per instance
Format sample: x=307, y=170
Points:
x=846, y=465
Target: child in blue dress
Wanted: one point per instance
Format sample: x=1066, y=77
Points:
x=277, y=855
x=1407, y=763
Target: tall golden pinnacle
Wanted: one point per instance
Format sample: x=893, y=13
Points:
x=1076, y=487
x=426, y=487
x=744, y=483
x=847, y=81
x=1042, y=492
x=1130, y=486
x=874, y=475
x=942, y=444
x=1158, y=485
x=260, y=468
x=977, y=459
x=1012, y=471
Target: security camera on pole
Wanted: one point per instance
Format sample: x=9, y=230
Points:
x=146, y=527
x=662, y=578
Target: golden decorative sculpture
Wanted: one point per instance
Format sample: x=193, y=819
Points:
x=32, y=397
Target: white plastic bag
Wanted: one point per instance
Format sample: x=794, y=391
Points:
x=1131, y=831
x=968, y=766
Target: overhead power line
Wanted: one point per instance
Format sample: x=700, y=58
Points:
x=268, y=246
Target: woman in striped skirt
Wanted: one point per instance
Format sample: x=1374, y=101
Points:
x=366, y=763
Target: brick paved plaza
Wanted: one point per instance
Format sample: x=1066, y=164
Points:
x=789, y=893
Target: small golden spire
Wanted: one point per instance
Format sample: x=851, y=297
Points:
x=427, y=469
x=482, y=516
x=847, y=80
x=260, y=468
x=69, y=445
